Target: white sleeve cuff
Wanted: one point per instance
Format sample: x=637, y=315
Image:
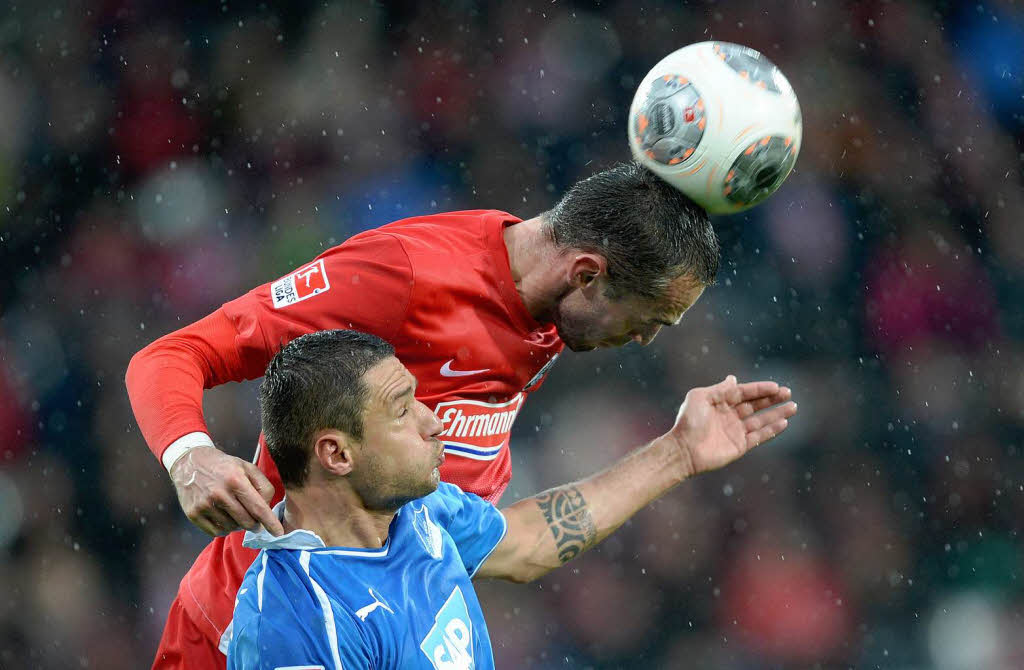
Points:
x=182, y=446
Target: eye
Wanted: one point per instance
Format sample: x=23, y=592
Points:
x=403, y=411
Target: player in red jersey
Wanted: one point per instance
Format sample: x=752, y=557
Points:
x=477, y=305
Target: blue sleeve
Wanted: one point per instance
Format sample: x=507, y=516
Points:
x=474, y=524
x=283, y=624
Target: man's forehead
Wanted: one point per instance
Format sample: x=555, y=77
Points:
x=387, y=376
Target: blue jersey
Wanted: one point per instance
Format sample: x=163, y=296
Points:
x=410, y=604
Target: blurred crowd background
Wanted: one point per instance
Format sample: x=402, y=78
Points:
x=158, y=159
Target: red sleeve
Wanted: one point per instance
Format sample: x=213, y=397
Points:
x=364, y=284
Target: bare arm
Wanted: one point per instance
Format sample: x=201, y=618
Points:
x=715, y=426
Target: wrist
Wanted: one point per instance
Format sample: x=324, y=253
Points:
x=678, y=458
x=181, y=446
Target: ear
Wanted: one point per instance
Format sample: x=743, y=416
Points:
x=334, y=451
x=586, y=268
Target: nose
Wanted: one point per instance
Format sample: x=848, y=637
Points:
x=646, y=337
x=433, y=425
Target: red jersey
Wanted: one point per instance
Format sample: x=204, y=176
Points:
x=438, y=288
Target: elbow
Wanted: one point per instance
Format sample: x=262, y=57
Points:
x=518, y=571
x=135, y=365
x=133, y=368
x=529, y=575
x=521, y=577
x=528, y=571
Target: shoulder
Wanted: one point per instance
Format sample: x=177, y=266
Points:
x=266, y=606
x=289, y=613
x=450, y=505
x=275, y=576
x=455, y=232
x=447, y=498
x=373, y=245
x=473, y=524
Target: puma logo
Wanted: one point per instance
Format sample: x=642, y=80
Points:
x=364, y=612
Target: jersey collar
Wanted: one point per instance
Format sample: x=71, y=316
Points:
x=297, y=539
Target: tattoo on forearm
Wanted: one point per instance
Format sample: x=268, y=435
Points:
x=568, y=517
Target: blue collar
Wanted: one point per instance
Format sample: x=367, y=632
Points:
x=297, y=539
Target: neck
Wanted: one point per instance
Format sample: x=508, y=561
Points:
x=533, y=256
x=337, y=516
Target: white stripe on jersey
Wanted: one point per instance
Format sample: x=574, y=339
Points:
x=259, y=583
x=325, y=605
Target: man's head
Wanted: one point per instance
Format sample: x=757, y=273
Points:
x=638, y=253
x=339, y=409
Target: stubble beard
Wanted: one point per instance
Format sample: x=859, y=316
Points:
x=572, y=331
x=389, y=494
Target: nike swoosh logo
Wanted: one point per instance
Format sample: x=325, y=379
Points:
x=446, y=371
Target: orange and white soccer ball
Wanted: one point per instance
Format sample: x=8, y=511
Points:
x=719, y=122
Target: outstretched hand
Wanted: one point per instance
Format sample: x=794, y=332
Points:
x=718, y=424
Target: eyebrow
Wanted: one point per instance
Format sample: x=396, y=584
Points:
x=395, y=397
x=408, y=390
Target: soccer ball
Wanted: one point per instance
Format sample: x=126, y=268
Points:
x=719, y=122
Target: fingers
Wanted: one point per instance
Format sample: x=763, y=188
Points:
x=750, y=391
x=240, y=507
x=770, y=416
x=766, y=425
x=745, y=409
x=204, y=524
x=766, y=433
x=255, y=503
x=236, y=508
x=220, y=493
x=260, y=481
x=214, y=521
x=720, y=391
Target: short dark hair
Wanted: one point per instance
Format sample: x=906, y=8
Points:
x=648, y=231
x=313, y=383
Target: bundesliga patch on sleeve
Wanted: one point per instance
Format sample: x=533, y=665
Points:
x=299, y=285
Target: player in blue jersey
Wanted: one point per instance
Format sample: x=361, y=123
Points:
x=374, y=568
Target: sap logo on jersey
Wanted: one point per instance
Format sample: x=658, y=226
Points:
x=449, y=644
x=475, y=429
x=299, y=285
